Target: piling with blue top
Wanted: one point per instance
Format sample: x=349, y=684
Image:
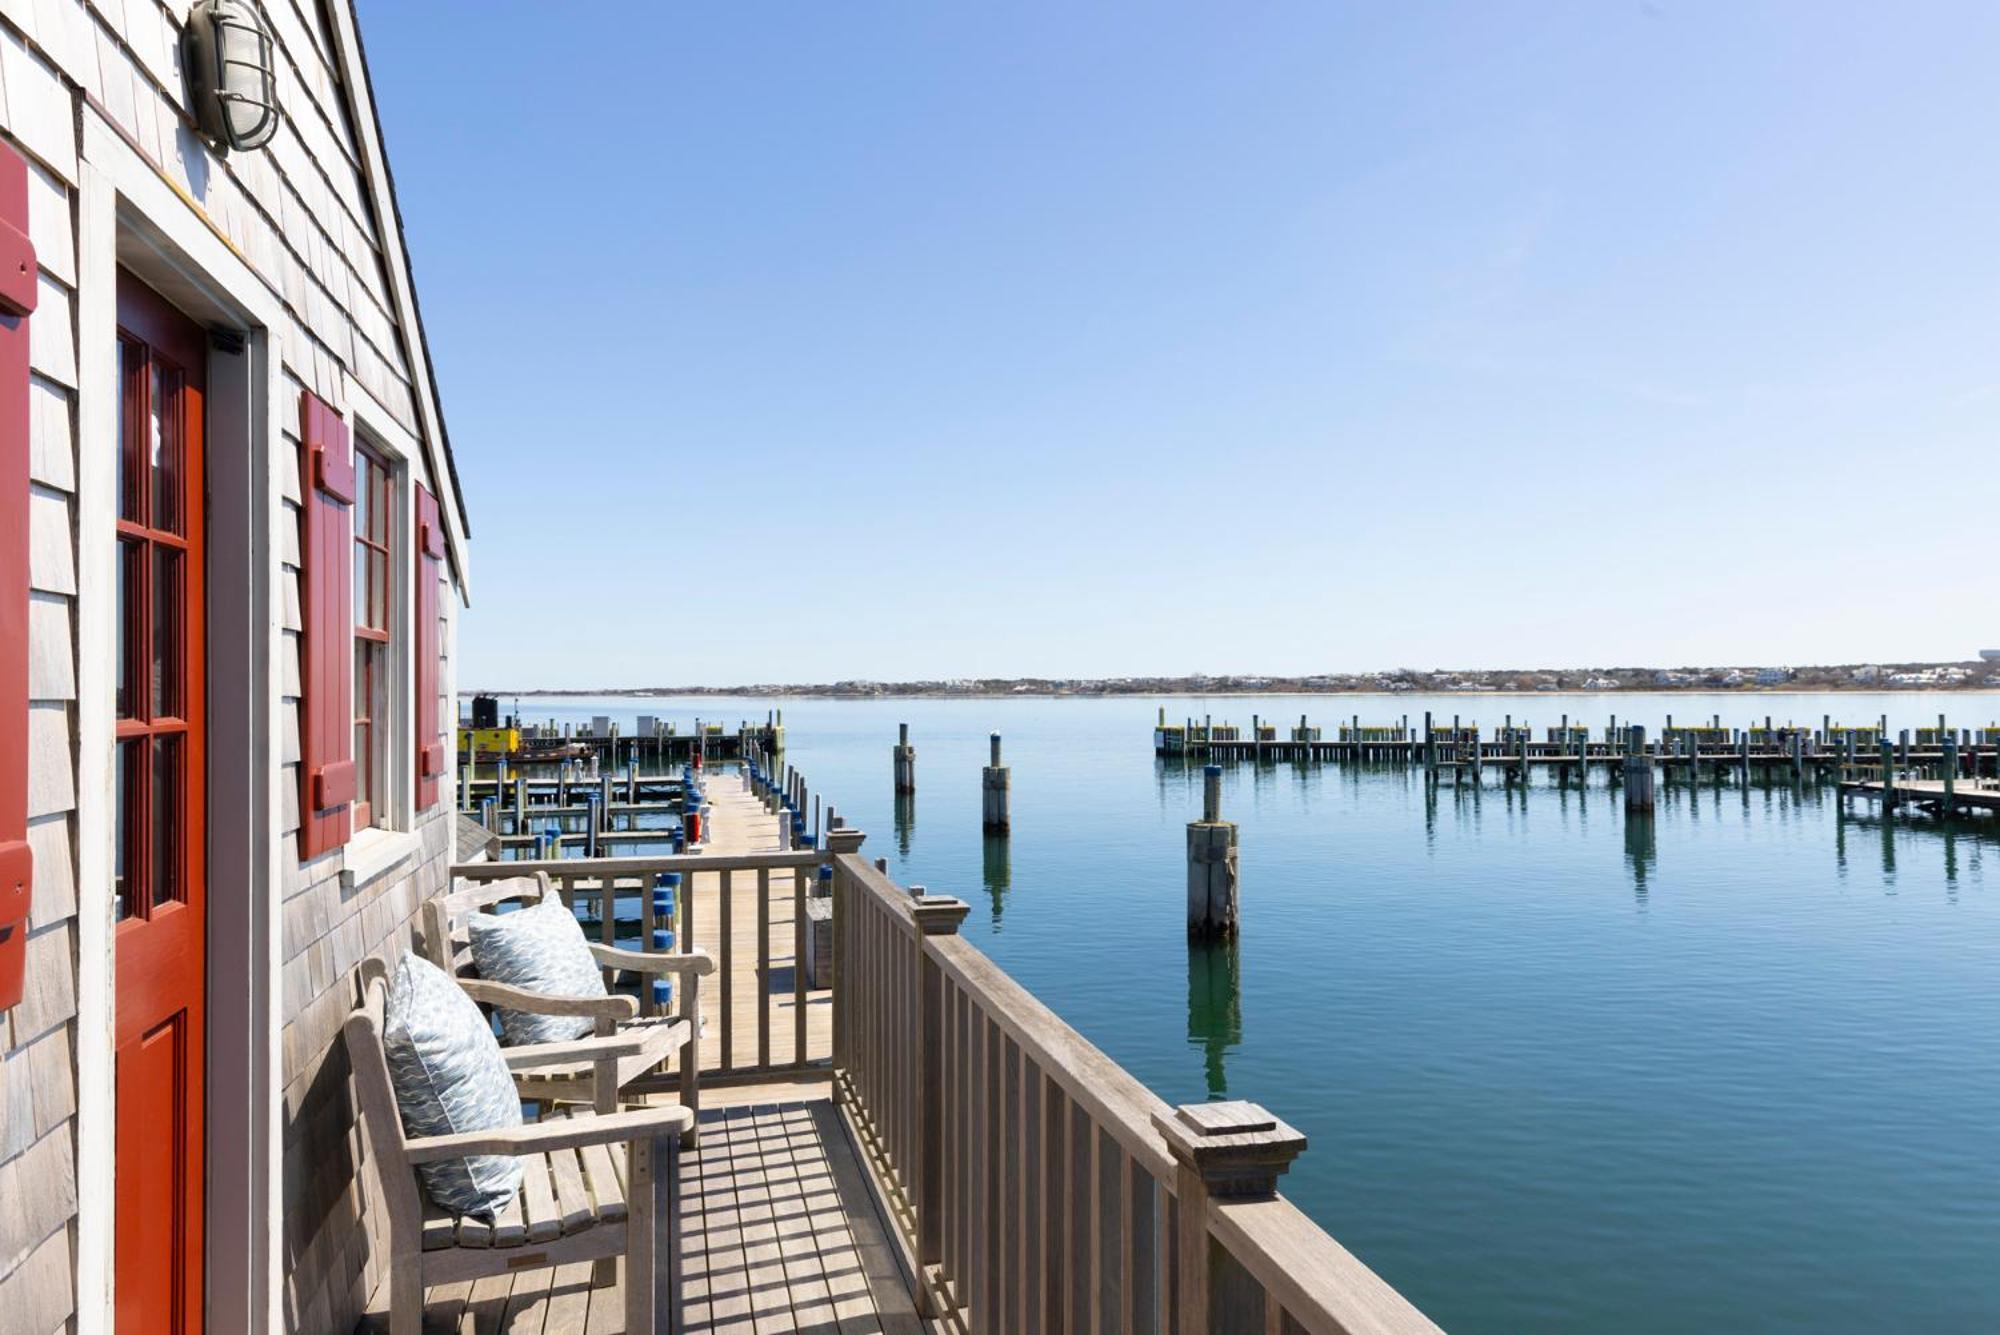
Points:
x=905, y=760
x=666, y=887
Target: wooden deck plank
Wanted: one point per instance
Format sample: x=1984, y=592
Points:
x=486, y=1306
x=770, y=1295
x=798, y=1246
x=528, y=1304
x=722, y=1266
x=886, y=1285
x=569, y=1301
x=607, y=1307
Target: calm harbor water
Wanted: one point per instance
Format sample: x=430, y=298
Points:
x=1559, y=1071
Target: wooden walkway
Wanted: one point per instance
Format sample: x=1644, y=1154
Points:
x=738, y=823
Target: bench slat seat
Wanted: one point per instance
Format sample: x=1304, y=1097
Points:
x=563, y=1192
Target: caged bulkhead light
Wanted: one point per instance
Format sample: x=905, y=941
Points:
x=231, y=74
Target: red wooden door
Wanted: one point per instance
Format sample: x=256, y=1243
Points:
x=161, y=780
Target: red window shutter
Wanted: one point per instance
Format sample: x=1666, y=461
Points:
x=17, y=300
x=430, y=569
x=326, y=715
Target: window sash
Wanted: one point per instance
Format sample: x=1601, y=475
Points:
x=374, y=657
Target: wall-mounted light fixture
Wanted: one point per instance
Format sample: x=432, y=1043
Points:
x=231, y=73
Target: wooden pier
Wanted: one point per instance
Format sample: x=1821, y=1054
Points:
x=1929, y=794
x=1515, y=750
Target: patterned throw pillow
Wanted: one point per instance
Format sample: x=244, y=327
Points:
x=449, y=1077
x=540, y=949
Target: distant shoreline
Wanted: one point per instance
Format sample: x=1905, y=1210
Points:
x=1857, y=679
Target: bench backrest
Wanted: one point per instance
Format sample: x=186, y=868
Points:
x=447, y=942
x=377, y=1103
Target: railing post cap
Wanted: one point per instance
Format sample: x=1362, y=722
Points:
x=844, y=840
x=938, y=915
x=1237, y=1148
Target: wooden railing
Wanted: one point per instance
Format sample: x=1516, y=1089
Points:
x=1035, y=1185
x=738, y=1044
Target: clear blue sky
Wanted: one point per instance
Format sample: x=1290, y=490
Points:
x=787, y=342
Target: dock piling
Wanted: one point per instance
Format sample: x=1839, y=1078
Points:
x=995, y=787
x=1211, y=862
x=906, y=760
x=1637, y=771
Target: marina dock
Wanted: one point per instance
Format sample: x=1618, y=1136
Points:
x=1570, y=747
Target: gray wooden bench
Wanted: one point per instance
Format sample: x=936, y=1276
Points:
x=597, y=1082
x=595, y=1186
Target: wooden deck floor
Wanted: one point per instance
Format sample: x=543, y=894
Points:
x=778, y=1233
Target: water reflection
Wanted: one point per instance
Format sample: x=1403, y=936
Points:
x=1215, y=1009
x=1642, y=849
x=997, y=871
x=906, y=821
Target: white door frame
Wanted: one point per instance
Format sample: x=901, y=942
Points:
x=129, y=213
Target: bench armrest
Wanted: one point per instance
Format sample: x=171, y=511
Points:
x=530, y=1055
x=508, y=997
x=697, y=961
x=562, y=1133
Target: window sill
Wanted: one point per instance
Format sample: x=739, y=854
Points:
x=374, y=853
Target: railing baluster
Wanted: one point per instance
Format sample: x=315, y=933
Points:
x=726, y=968
x=1054, y=1117
x=763, y=967
x=799, y=881
x=1106, y=1190
x=1083, y=1221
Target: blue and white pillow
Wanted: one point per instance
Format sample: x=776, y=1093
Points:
x=449, y=1077
x=541, y=949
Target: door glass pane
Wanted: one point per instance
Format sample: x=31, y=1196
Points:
x=164, y=437
x=125, y=832
x=131, y=605
x=166, y=665
x=164, y=816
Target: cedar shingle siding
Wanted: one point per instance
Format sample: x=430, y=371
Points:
x=300, y=215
